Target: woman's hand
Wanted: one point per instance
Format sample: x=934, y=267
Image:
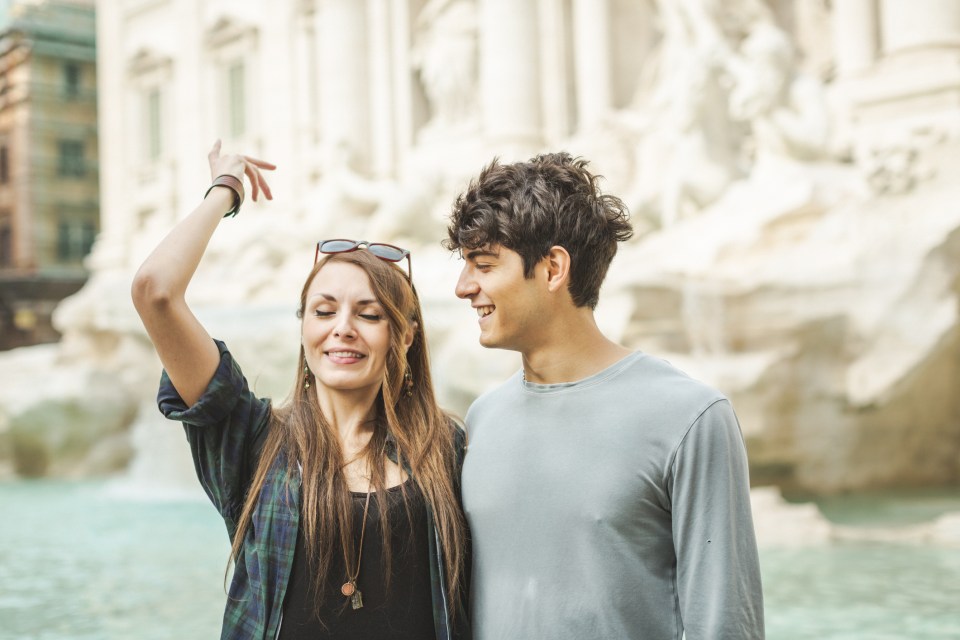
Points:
x=236, y=165
x=185, y=348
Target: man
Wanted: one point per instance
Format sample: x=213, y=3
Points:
x=606, y=491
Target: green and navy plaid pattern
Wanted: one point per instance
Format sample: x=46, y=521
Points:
x=226, y=429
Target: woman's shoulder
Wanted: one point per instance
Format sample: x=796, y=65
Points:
x=459, y=430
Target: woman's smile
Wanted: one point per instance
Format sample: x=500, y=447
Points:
x=344, y=357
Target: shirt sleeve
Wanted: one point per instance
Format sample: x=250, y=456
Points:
x=718, y=569
x=225, y=428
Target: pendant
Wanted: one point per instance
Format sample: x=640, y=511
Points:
x=348, y=588
x=356, y=600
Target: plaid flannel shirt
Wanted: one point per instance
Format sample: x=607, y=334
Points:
x=226, y=429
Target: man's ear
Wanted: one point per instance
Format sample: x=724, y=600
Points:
x=557, y=265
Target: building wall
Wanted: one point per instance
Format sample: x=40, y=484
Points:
x=49, y=177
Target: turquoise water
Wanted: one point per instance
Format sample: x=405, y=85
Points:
x=79, y=562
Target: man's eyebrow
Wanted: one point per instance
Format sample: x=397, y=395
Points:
x=481, y=253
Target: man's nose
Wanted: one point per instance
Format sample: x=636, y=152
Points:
x=466, y=285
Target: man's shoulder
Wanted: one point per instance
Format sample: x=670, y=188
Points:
x=663, y=379
x=649, y=391
x=644, y=379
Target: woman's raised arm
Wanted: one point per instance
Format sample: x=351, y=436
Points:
x=185, y=348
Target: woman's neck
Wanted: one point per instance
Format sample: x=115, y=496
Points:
x=351, y=415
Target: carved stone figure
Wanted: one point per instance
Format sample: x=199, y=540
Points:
x=785, y=109
x=687, y=155
x=445, y=56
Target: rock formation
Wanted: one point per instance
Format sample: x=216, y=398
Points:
x=792, y=174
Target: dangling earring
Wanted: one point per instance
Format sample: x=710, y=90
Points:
x=408, y=382
x=306, y=377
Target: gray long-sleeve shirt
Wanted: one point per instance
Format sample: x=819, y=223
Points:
x=614, y=507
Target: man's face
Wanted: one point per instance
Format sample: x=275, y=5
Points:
x=509, y=307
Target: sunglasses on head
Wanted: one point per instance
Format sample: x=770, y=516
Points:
x=383, y=251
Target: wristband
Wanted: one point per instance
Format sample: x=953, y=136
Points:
x=235, y=185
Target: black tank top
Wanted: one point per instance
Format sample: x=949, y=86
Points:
x=404, y=612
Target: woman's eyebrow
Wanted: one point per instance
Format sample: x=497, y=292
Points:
x=364, y=302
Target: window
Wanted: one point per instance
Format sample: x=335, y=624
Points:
x=74, y=240
x=71, y=79
x=71, y=162
x=236, y=99
x=151, y=106
x=64, y=242
x=4, y=165
x=88, y=234
x=6, y=244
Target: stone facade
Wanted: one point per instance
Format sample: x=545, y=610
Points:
x=797, y=222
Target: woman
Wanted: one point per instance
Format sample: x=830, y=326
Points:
x=343, y=504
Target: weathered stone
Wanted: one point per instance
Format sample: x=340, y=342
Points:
x=797, y=218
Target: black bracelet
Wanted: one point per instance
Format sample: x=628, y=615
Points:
x=235, y=185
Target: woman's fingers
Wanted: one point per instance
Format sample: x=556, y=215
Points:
x=263, y=164
x=250, y=170
x=264, y=187
x=238, y=165
x=258, y=181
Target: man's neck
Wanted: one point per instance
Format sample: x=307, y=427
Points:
x=571, y=350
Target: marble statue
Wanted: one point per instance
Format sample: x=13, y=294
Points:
x=790, y=168
x=445, y=57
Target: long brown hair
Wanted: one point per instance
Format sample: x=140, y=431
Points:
x=423, y=435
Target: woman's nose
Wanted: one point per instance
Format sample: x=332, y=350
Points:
x=344, y=327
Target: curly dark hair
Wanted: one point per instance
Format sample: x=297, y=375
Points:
x=529, y=207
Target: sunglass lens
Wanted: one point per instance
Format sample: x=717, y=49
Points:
x=337, y=246
x=387, y=252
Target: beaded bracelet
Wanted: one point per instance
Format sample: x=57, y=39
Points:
x=235, y=185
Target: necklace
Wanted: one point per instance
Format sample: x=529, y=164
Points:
x=349, y=588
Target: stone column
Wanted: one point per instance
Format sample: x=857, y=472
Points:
x=381, y=94
x=592, y=69
x=403, y=83
x=918, y=24
x=343, y=79
x=117, y=221
x=509, y=72
x=306, y=75
x=554, y=83
x=855, y=30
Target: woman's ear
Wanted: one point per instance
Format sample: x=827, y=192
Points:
x=409, y=337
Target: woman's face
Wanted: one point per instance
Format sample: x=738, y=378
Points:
x=346, y=335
